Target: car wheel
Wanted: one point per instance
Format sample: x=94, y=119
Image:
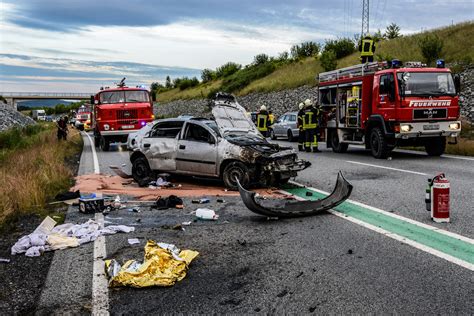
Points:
x=435, y=146
x=378, y=144
x=141, y=170
x=337, y=147
x=104, y=143
x=272, y=135
x=236, y=170
x=290, y=135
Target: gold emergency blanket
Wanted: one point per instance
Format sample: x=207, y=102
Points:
x=163, y=265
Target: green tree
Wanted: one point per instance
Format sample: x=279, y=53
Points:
x=342, y=47
x=378, y=36
x=328, y=60
x=431, y=47
x=261, y=59
x=207, y=75
x=392, y=31
x=168, y=83
x=283, y=57
x=227, y=69
x=306, y=49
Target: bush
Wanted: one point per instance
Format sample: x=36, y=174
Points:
x=431, y=46
x=227, y=69
x=261, y=59
x=208, y=75
x=328, y=60
x=306, y=49
x=341, y=47
x=185, y=83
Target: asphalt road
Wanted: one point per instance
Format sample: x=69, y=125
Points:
x=321, y=264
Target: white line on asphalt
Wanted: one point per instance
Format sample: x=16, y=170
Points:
x=94, y=155
x=100, y=290
x=389, y=168
x=415, y=244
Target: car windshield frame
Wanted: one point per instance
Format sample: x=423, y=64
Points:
x=424, y=84
x=124, y=96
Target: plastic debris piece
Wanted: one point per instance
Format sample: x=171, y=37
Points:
x=308, y=193
x=220, y=201
x=4, y=260
x=207, y=214
x=186, y=223
x=133, y=241
x=46, y=226
x=163, y=265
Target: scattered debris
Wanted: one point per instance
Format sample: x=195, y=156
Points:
x=186, y=223
x=134, y=210
x=299, y=274
x=4, y=260
x=282, y=293
x=118, y=171
x=64, y=196
x=201, y=201
x=220, y=201
x=289, y=209
x=163, y=265
x=207, y=214
x=133, y=241
x=309, y=193
x=47, y=237
x=168, y=202
x=92, y=205
x=242, y=242
x=350, y=252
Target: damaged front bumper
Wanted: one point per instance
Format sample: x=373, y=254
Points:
x=287, y=209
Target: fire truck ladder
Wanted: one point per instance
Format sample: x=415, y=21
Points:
x=352, y=71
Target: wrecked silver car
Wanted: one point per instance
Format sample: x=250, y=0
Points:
x=228, y=146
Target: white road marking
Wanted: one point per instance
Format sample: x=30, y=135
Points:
x=94, y=155
x=100, y=289
x=389, y=168
x=415, y=244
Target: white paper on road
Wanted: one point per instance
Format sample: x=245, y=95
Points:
x=63, y=236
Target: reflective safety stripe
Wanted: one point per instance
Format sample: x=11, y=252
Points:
x=262, y=122
x=367, y=45
x=308, y=121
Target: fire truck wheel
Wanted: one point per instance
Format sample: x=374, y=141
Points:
x=104, y=144
x=96, y=141
x=337, y=147
x=435, y=146
x=140, y=169
x=378, y=144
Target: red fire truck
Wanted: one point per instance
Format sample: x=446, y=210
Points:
x=118, y=112
x=84, y=117
x=383, y=105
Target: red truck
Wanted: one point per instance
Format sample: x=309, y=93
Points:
x=383, y=105
x=118, y=112
x=84, y=117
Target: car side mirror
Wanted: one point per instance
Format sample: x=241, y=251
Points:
x=457, y=83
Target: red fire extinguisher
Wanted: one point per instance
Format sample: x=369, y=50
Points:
x=440, y=199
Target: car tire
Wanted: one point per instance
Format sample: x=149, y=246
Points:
x=104, y=143
x=435, y=146
x=290, y=135
x=283, y=181
x=272, y=135
x=378, y=144
x=141, y=169
x=337, y=147
x=237, y=170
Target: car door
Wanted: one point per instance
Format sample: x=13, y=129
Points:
x=160, y=144
x=279, y=129
x=197, y=150
x=292, y=124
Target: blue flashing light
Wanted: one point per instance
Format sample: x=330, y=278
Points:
x=440, y=63
x=143, y=123
x=396, y=63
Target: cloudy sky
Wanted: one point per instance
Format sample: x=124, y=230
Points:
x=79, y=45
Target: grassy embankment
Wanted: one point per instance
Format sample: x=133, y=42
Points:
x=458, y=42
x=34, y=167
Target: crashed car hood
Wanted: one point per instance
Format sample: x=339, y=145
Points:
x=231, y=117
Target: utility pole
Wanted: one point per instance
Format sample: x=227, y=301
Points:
x=365, y=18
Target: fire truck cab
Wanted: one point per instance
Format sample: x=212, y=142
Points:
x=118, y=112
x=382, y=105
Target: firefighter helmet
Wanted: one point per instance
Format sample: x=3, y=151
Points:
x=308, y=103
x=301, y=106
x=263, y=108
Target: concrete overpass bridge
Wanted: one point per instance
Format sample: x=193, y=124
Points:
x=13, y=97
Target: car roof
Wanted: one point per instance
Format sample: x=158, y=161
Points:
x=293, y=112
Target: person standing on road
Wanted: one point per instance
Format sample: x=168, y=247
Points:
x=367, y=49
x=62, y=128
x=263, y=121
x=310, y=125
x=299, y=124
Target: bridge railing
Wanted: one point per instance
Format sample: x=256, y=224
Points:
x=44, y=94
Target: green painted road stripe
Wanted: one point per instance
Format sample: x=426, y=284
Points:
x=449, y=245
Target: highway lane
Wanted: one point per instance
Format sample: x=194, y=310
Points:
x=322, y=263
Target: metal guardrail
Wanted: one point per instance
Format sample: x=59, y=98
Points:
x=44, y=94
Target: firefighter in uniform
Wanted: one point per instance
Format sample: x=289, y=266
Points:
x=301, y=136
x=263, y=121
x=310, y=125
x=367, y=49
